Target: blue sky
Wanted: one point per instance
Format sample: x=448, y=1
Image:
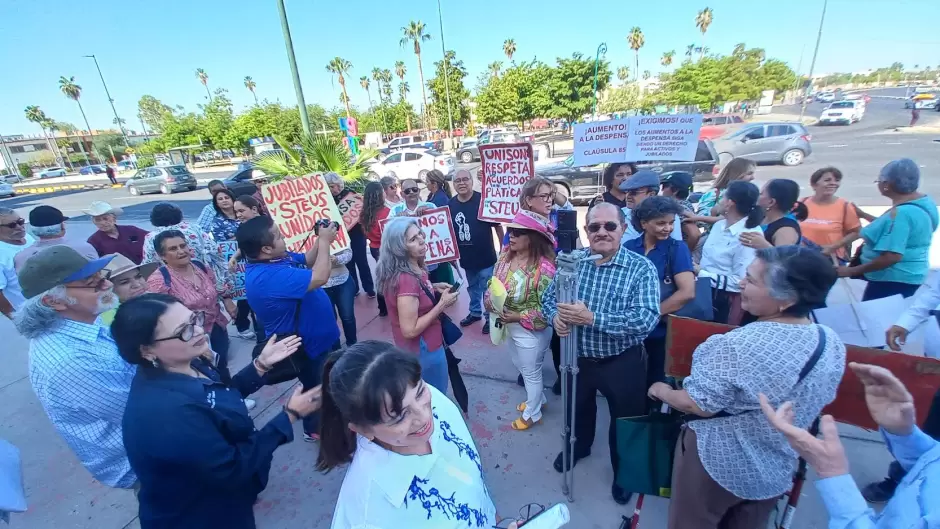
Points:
x=154, y=47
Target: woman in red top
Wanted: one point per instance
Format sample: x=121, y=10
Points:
x=374, y=211
x=193, y=284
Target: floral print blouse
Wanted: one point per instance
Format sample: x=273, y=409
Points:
x=202, y=247
x=223, y=228
x=524, y=289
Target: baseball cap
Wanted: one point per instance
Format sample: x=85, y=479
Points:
x=43, y=216
x=678, y=179
x=54, y=266
x=639, y=180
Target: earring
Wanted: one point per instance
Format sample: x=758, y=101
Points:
x=154, y=362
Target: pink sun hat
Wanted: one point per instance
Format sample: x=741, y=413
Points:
x=526, y=220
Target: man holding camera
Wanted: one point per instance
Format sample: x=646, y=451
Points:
x=285, y=291
x=618, y=306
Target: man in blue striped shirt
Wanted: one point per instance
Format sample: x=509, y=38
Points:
x=74, y=366
x=618, y=307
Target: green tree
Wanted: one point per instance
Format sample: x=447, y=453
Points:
x=702, y=21
x=456, y=73
x=571, y=86
x=387, y=85
x=646, y=75
x=667, y=58
x=73, y=91
x=318, y=152
x=619, y=99
x=153, y=112
x=204, y=79
x=35, y=115
x=509, y=48
x=108, y=143
x=623, y=73
x=400, y=70
x=217, y=120
x=364, y=83
x=689, y=50
x=415, y=34
x=268, y=120
x=494, y=68
x=250, y=85
x=636, y=40
x=497, y=101
x=340, y=67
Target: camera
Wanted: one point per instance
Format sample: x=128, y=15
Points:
x=324, y=223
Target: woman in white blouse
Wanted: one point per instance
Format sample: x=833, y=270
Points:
x=724, y=258
x=412, y=461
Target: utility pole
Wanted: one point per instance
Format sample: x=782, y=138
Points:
x=301, y=104
x=117, y=118
x=812, y=65
x=450, y=117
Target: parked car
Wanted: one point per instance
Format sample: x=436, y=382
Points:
x=846, y=112
x=165, y=179
x=126, y=165
x=584, y=183
x=246, y=178
x=859, y=97
x=7, y=190
x=825, y=97
x=50, y=172
x=470, y=151
x=413, y=163
x=717, y=125
x=406, y=142
x=783, y=142
x=12, y=178
x=92, y=169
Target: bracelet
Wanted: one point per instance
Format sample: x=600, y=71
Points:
x=291, y=414
x=259, y=365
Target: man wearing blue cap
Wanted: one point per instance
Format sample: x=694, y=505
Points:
x=74, y=365
x=640, y=186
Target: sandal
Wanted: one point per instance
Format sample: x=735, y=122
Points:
x=523, y=424
x=521, y=407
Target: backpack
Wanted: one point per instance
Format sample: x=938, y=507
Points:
x=166, y=273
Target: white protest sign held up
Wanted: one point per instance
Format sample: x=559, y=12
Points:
x=600, y=142
x=505, y=169
x=439, y=235
x=663, y=137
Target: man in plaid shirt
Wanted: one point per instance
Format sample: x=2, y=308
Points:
x=618, y=307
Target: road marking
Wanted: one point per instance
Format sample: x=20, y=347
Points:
x=838, y=145
x=893, y=143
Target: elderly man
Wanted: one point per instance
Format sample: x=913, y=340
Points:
x=357, y=238
x=74, y=366
x=618, y=293
x=114, y=238
x=48, y=225
x=13, y=239
x=642, y=185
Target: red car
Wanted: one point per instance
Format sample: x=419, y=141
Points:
x=717, y=125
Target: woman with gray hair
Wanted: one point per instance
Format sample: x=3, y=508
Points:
x=894, y=256
x=391, y=187
x=731, y=465
x=414, y=313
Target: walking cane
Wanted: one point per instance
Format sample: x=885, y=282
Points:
x=798, y=479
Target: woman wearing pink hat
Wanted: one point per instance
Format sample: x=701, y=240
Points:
x=526, y=268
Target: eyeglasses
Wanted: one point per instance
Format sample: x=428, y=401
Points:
x=547, y=197
x=14, y=224
x=635, y=192
x=526, y=513
x=97, y=286
x=189, y=330
x=410, y=190
x=609, y=226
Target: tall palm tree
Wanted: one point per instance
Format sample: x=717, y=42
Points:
x=509, y=48
x=401, y=70
x=74, y=92
x=51, y=125
x=667, y=58
x=689, y=50
x=204, y=79
x=377, y=77
x=636, y=40
x=623, y=73
x=646, y=75
x=494, y=68
x=340, y=67
x=387, y=84
x=403, y=90
x=250, y=85
x=702, y=21
x=415, y=34
x=37, y=116
x=364, y=83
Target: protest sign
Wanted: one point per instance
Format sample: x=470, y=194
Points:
x=663, y=137
x=600, y=142
x=438, y=235
x=225, y=251
x=350, y=207
x=505, y=169
x=296, y=204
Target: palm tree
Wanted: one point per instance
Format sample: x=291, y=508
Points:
x=400, y=70
x=509, y=48
x=364, y=83
x=414, y=33
x=377, y=77
x=340, y=67
x=74, y=92
x=702, y=21
x=646, y=75
x=204, y=79
x=667, y=58
x=387, y=84
x=738, y=49
x=494, y=68
x=623, y=73
x=636, y=40
x=318, y=153
x=403, y=90
x=37, y=116
x=689, y=50
x=250, y=85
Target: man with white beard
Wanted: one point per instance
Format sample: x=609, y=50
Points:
x=74, y=365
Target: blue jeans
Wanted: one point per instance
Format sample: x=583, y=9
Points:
x=477, y=281
x=219, y=342
x=433, y=366
x=343, y=297
x=360, y=261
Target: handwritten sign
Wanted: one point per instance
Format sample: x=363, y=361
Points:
x=505, y=169
x=438, y=235
x=296, y=204
x=663, y=137
x=600, y=142
x=225, y=251
x=350, y=207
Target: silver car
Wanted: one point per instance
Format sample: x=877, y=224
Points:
x=783, y=142
x=166, y=179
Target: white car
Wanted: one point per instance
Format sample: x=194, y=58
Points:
x=7, y=190
x=413, y=163
x=49, y=172
x=844, y=112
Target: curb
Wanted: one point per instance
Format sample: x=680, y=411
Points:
x=39, y=190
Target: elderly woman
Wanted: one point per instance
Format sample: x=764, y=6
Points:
x=193, y=283
x=129, y=280
x=894, y=257
x=357, y=241
x=225, y=222
x=614, y=175
x=374, y=211
x=438, y=192
x=198, y=457
x=165, y=216
x=390, y=186
x=654, y=219
x=526, y=268
x=415, y=314
x=413, y=206
x=112, y=237
x=829, y=218
x=731, y=466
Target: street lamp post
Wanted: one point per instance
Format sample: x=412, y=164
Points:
x=450, y=116
x=812, y=64
x=602, y=49
x=117, y=118
x=289, y=43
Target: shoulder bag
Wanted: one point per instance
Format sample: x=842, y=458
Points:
x=700, y=307
x=451, y=333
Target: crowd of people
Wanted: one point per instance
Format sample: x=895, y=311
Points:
x=129, y=343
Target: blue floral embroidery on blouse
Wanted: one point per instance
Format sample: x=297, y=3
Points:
x=462, y=447
x=432, y=501
x=223, y=228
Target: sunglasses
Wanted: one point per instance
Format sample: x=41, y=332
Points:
x=410, y=190
x=14, y=224
x=186, y=333
x=517, y=232
x=644, y=191
x=609, y=226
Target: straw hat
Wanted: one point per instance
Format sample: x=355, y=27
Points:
x=526, y=220
x=100, y=207
x=121, y=265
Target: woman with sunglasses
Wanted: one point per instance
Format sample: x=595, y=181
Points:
x=391, y=187
x=198, y=457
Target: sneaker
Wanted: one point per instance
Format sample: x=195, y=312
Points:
x=879, y=492
x=486, y=326
x=470, y=320
x=250, y=404
x=312, y=437
x=246, y=334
